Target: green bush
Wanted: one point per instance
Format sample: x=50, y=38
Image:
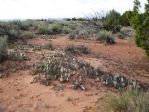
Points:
x=129, y=101
x=140, y=22
x=105, y=36
x=16, y=56
x=10, y=31
x=3, y=48
x=83, y=34
x=56, y=28
x=124, y=19
x=112, y=20
x=42, y=30
x=20, y=25
x=66, y=30
x=14, y=35
x=27, y=35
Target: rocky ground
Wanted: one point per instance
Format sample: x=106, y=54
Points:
x=18, y=93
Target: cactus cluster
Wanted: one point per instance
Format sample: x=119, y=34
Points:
x=63, y=67
x=119, y=81
x=66, y=68
x=17, y=56
x=48, y=46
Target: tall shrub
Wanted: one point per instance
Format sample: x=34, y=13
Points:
x=140, y=22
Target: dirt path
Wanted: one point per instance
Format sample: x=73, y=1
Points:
x=18, y=95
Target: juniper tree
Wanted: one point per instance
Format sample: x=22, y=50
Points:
x=140, y=22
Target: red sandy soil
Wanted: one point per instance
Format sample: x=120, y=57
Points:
x=17, y=94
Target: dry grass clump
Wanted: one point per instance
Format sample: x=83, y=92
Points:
x=131, y=100
x=77, y=49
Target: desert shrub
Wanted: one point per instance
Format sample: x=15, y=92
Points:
x=112, y=21
x=27, y=35
x=66, y=30
x=10, y=31
x=126, y=32
x=105, y=36
x=3, y=48
x=56, y=28
x=140, y=22
x=84, y=34
x=73, y=34
x=117, y=28
x=109, y=21
x=16, y=56
x=49, y=29
x=20, y=25
x=48, y=46
x=124, y=19
x=13, y=35
x=77, y=49
x=42, y=30
x=4, y=29
x=129, y=101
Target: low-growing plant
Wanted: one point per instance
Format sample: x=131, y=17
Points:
x=66, y=30
x=131, y=100
x=48, y=46
x=27, y=35
x=10, y=31
x=20, y=25
x=77, y=49
x=42, y=30
x=73, y=34
x=16, y=56
x=56, y=28
x=3, y=48
x=105, y=36
x=126, y=32
x=83, y=34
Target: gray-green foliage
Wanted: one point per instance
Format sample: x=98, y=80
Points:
x=126, y=32
x=105, y=36
x=10, y=30
x=3, y=48
x=48, y=46
x=129, y=101
x=77, y=49
x=27, y=35
x=50, y=29
x=62, y=66
x=16, y=56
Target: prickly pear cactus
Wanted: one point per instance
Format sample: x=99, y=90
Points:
x=63, y=67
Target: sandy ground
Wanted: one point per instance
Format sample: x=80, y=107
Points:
x=17, y=94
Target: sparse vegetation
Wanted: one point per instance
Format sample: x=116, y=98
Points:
x=126, y=32
x=48, y=46
x=27, y=35
x=77, y=49
x=72, y=51
x=105, y=36
x=129, y=101
x=16, y=56
x=42, y=30
x=3, y=48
